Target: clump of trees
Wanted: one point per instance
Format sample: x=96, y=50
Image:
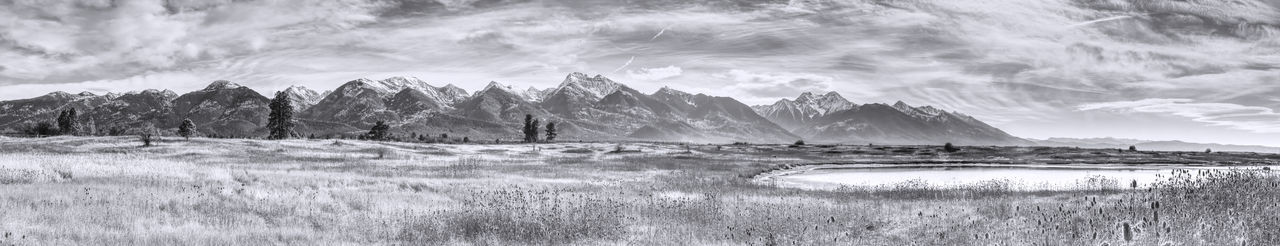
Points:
x=950, y=148
x=530, y=129
x=280, y=121
x=41, y=129
x=186, y=129
x=68, y=123
x=1133, y=148
x=380, y=132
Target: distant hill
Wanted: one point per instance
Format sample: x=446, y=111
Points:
x=1116, y=143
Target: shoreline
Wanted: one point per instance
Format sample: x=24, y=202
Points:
x=772, y=177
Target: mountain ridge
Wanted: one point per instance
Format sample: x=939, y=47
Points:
x=583, y=106
x=831, y=118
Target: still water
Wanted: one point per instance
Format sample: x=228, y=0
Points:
x=1012, y=177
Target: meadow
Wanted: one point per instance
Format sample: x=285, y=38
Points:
x=109, y=190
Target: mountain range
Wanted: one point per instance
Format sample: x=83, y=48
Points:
x=1168, y=145
x=832, y=118
x=584, y=107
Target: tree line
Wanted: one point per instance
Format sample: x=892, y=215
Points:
x=280, y=126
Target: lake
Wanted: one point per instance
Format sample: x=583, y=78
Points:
x=1016, y=177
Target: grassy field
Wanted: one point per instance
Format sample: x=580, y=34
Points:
x=75, y=191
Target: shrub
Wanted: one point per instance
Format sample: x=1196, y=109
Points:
x=950, y=148
x=187, y=129
x=379, y=132
x=146, y=139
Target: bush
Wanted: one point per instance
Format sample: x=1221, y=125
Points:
x=146, y=139
x=950, y=148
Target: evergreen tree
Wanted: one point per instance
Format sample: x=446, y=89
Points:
x=530, y=129
x=186, y=129
x=551, y=131
x=280, y=122
x=533, y=135
x=379, y=132
x=67, y=123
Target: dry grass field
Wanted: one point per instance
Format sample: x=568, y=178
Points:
x=76, y=191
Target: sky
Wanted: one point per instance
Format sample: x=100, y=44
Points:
x=1191, y=70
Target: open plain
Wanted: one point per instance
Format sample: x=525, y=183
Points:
x=108, y=190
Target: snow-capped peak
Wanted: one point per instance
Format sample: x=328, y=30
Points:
x=453, y=93
x=598, y=86
x=902, y=106
x=222, y=85
x=499, y=86
x=302, y=97
x=531, y=94
x=300, y=90
x=397, y=84
x=805, y=97
x=534, y=94
x=669, y=90
x=823, y=104
x=930, y=110
x=302, y=94
x=924, y=112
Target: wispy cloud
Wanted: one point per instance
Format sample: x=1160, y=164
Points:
x=655, y=74
x=776, y=84
x=1250, y=118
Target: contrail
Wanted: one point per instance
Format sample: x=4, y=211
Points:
x=1100, y=20
x=633, y=58
x=664, y=30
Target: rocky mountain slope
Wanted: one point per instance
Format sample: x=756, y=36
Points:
x=832, y=119
x=794, y=114
x=224, y=108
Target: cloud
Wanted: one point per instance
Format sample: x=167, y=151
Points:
x=68, y=40
x=776, y=84
x=655, y=74
x=1249, y=118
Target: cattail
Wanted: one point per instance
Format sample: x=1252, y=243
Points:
x=1128, y=232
